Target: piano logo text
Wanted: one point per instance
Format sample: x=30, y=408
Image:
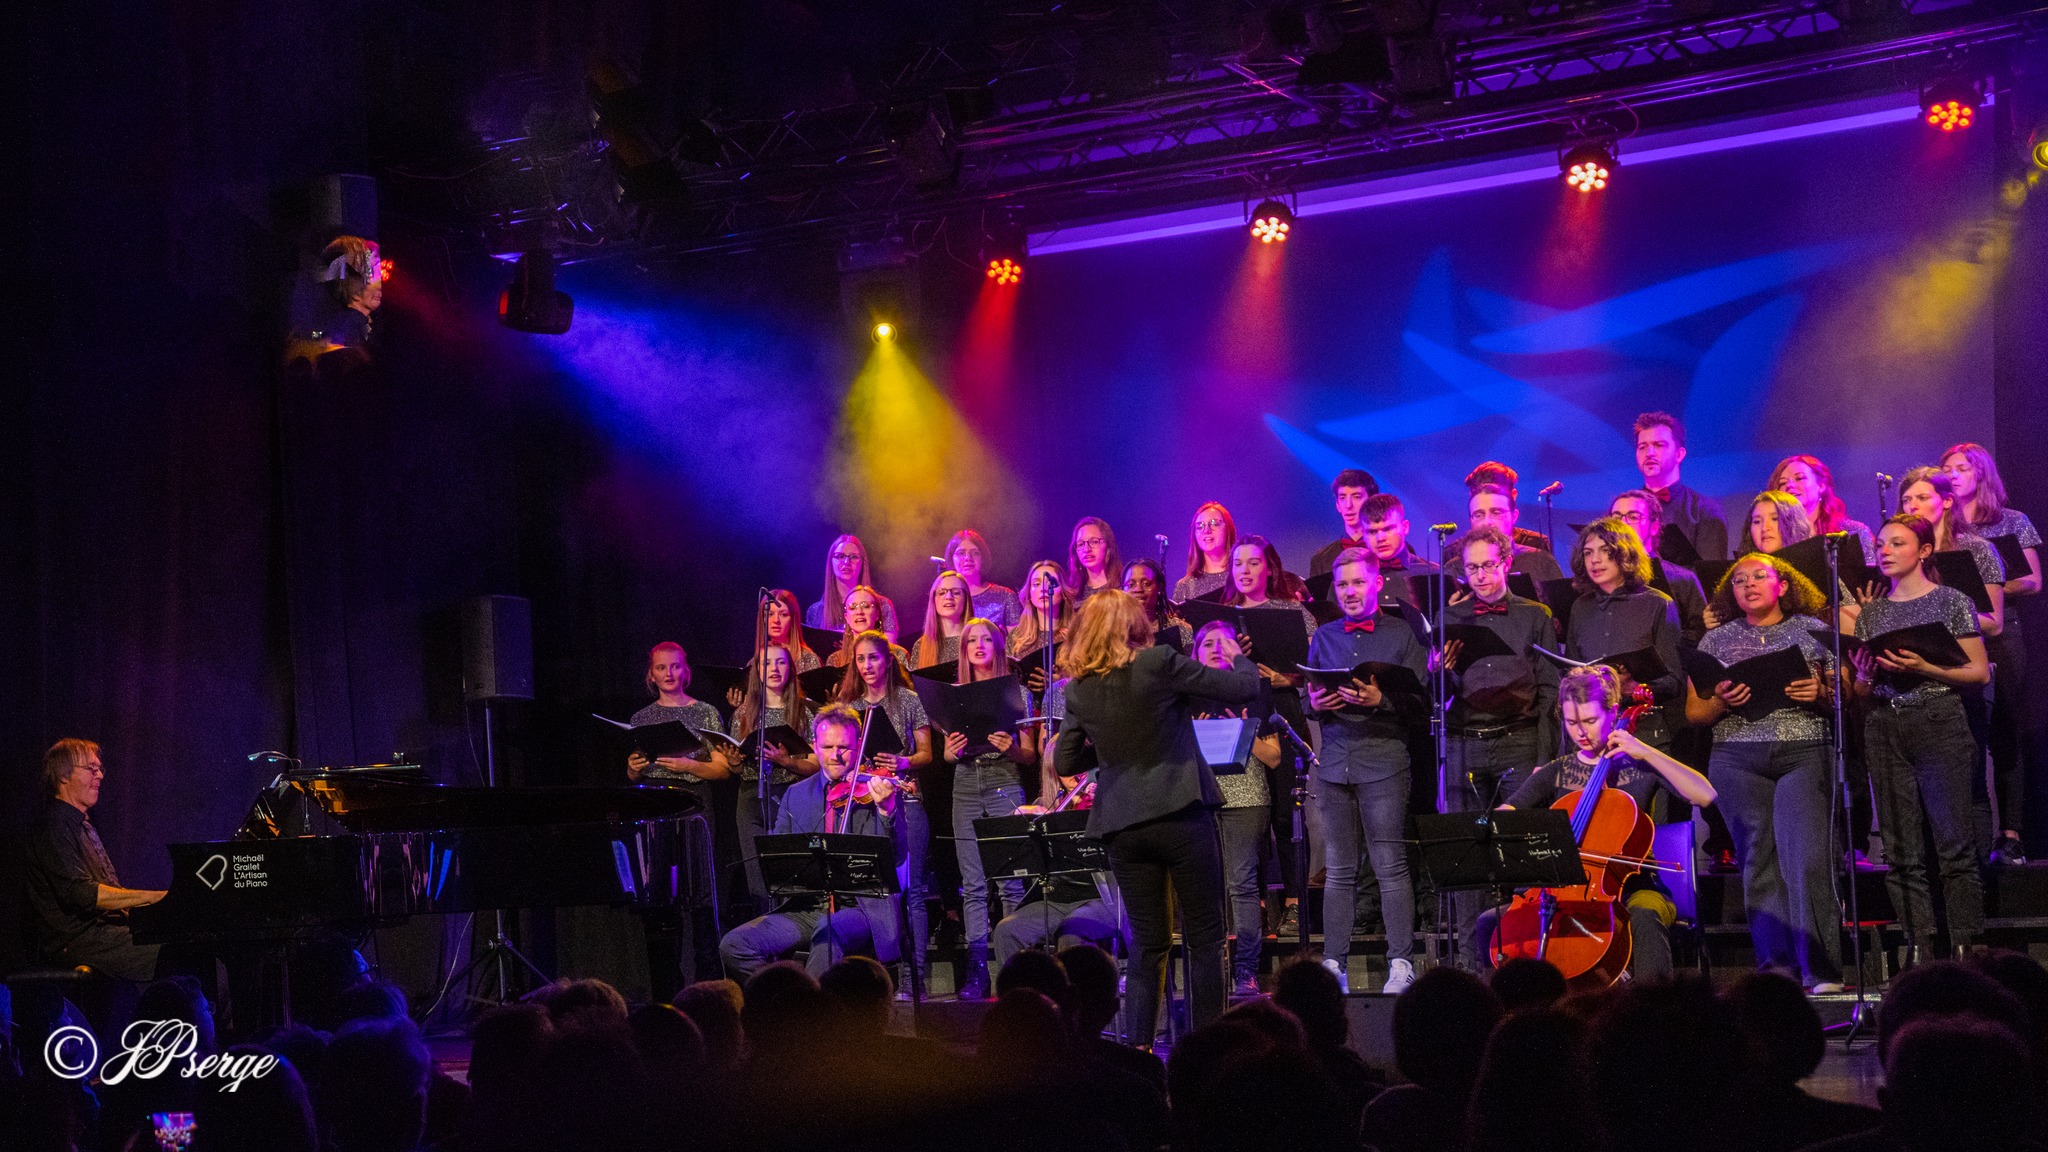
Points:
x=240, y=870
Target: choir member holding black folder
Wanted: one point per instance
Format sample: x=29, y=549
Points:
x=1503, y=712
x=979, y=712
x=1915, y=647
x=1981, y=493
x=1760, y=679
x=1619, y=620
x=1365, y=672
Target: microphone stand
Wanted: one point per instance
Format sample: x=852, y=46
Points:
x=1859, y=1011
x=1298, y=835
x=1548, y=494
x=763, y=801
x=1440, y=691
x=1884, y=487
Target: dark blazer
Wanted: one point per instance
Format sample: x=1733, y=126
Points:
x=803, y=810
x=1139, y=718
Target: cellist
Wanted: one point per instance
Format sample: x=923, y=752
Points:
x=1590, y=703
x=827, y=801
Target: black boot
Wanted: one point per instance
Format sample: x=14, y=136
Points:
x=975, y=987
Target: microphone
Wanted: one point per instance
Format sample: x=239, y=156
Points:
x=1281, y=723
x=1052, y=579
x=1443, y=529
x=255, y=756
x=939, y=560
x=1884, y=480
x=765, y=594
x=1163, y=541
x=1554, y=488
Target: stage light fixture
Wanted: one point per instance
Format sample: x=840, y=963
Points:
x=885, y=332
x=1588, y=166
x=1003, y=251
x=530, y=303
x=1272, y=222
x=1950, y=103
x=2037, y=149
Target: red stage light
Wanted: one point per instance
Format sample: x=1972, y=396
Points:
x=1587, y=167
x=1272, y=221
x=1950, y=104
x=1004, y=270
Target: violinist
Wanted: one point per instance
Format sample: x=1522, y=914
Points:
x=1211, y=536
x=1774, y=773
x=1590, y=704
x=828, y=801
x=967, y=554
x=984, y=785
x=877, y=680
x=1917, y=740
x=1242, y=822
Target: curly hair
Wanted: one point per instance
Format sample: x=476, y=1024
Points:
x=1800, y=597
x=1622, y=541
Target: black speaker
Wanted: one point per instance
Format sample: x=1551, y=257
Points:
x=497, y=648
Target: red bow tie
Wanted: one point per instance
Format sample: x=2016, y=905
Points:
x=1663, y=495
x=1364, y=625
x=1396, y=564
x=1482, y=608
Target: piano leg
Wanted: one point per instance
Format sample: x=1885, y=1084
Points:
x=670, y=938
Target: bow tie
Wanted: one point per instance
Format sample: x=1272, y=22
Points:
x=1364, y=625
x=1396, y=564
x=1663, y=495
x=1482, y=608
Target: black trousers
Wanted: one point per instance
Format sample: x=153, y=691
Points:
x=1182, y=849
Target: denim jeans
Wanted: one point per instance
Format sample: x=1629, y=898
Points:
x=913, y=845
x=981, y=790
x=1183, y=848
x=765, y=939
x=1922, y=756
x=1483, y=774
x=1068, y=922
x=1777, y=798
x=1369, y=820
x=1244, y=844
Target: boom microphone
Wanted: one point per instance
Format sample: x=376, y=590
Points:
x=1444, y=529
x=1281, y=723
x=1553, y=489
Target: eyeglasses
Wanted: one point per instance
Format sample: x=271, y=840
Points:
x=94, y=769
x=1747, y=579
x=1209, y=525
x=1630, y=517
x=1487, y=566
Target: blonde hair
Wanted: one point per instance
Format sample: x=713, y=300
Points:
x=835, y=595
x=1195, y=558
x=1027, y=634
x=1990, y=486
x=1112, y=560
x=658, y=649
x=62, y=759
x=1109, y=633
x=928, y=644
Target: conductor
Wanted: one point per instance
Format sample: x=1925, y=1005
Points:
x=1155, y=798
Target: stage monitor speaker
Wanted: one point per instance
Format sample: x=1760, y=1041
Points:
x=497, y=648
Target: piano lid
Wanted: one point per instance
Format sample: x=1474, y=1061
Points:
x=378, y=802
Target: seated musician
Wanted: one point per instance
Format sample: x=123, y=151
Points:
x=77, y=904
x=1073, y=911
x=863, y=925
x=1590, y=701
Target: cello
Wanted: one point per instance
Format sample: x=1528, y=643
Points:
x=1583, y=930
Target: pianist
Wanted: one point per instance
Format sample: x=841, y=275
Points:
x=863, y=925
x=77, y=904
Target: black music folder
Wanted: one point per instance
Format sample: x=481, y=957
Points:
x=1393, y=680
x=1477, y=643
x=1524, y=585
x=2012, y=554
x=1278, y=638
x=780, y=736
x=1559, y=596
x=974, y=710
x=1643, y=665
x=1958, y=570
x=1768, y=676
x=711, y=682
x=654, y=741
x=1931, y=642
x=821, y=683
x=823, y=641
x=1675, y=544
x=882, y=737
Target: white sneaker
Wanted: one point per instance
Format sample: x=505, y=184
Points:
x=1337, y=970
x=1400, y=974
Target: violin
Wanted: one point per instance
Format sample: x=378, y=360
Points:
x=1583, y=930
x=1079, y=798
x=859, y=785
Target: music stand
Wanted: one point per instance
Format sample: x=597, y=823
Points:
x=1041, y=849
x=832, y=865
x=1501, y=850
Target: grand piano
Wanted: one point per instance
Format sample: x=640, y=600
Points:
x=348, y=850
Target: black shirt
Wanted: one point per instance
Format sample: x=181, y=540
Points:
x=1698, y=519
x=1525, y=624
x=1326, y=556
x=66, y=865
x=1568, y=774
x=1610, y=624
